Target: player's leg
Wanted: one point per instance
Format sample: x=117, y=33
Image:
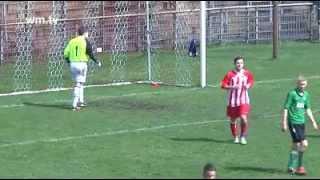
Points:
x=232, y=114
x=301, y=148
x=293, y=158
x=76, y=96
x=294, y=154
x=244, y=128
x=190, y=49
x=82, y=80
x=234, y=130
x=76, y=88
x=194, y=48
x=244, y=110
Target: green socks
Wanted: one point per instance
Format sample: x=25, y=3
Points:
x=293, y=160
x=300, y=159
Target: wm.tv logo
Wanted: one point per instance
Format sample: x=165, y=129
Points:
x=41, y=20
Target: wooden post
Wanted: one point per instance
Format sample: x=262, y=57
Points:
x=275, y=31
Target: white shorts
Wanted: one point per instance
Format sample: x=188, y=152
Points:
x=79, y=71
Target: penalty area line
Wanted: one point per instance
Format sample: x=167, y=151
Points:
x=133, y=94
x=125, y=131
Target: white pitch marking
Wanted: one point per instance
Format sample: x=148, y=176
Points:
x=273, y=81
x=138, y=82
x=125, y=131
x=130, y=94
x=11, y=106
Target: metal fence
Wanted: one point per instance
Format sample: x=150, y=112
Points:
x=173, y=24
x=224, y=24
x=254, y=23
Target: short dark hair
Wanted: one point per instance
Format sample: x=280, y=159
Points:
x=81, y=30
x=237, y=58
x=209, y=167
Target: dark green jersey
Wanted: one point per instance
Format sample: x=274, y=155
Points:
x=296, y=104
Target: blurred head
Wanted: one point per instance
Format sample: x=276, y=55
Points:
x=209, y=171
x=239, y=63
x=83, y=32
x=302, y=82
x=193, y=29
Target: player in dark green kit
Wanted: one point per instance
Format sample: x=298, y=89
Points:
x=296, y=104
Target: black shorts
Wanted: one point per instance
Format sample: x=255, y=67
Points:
x=297, y=132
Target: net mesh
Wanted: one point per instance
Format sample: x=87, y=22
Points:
x=92, y=25
x=57, y=42
x=120, y=38
x=31, y=54
x=23, y=65
x=183, y=63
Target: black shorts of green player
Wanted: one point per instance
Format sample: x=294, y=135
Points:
x=297, y=132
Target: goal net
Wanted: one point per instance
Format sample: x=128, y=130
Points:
x=139, y=41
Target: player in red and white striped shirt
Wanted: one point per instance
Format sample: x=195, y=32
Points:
x=237, y=82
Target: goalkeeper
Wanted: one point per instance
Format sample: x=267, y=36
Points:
x=77, y=54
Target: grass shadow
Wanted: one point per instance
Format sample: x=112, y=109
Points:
x=229, y=141
x=313, y=136
x=57, y=106
x=256, y=169
x=131, y=104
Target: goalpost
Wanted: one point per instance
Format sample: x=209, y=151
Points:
x=141, y=41
x=162, y=30
x=203, y=45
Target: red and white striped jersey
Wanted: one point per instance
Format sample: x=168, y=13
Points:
x=244, y=80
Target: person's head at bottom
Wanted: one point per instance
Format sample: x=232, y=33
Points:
x=209, y=171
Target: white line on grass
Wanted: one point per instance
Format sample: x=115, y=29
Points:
x=138, y=82
x=64, y=89
x=272, y=81
x=135, y=94
x=135, y=130
x=125, y=131
x=276, y=115
x=97, y=98
x=11, y=106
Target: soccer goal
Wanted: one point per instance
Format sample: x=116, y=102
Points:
x=137, y=42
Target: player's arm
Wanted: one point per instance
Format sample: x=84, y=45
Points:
x=309, y=112
x=90, y=52
x=311, y=117
x=225, y=83
x=227, y=87
x=250, y=80
x=284, y=123
x=66, y=53
x=284, y=120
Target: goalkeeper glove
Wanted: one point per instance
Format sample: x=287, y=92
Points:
x=67, y=60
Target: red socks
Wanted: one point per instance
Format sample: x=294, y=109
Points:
x=234, y=131
x=244, y=128
x=233, y=128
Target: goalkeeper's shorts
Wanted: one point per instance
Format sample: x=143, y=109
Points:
x=79, y=71
x=236, y=112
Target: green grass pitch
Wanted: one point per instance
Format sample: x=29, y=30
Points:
x=136, y=131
